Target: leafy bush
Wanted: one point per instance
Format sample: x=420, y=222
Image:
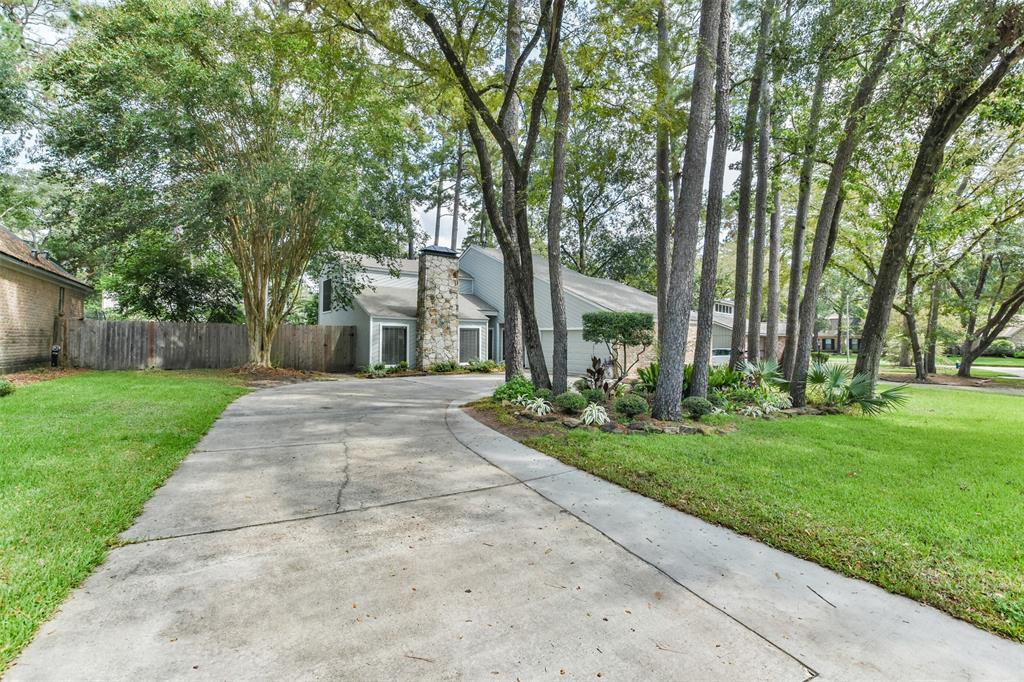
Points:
x=596, y=374
x=723, y=376
x=514, y=388
x=545, y=393
x=762, y=373
x=819, y=357
x=538, y=406
x=593, y=395
x=632, y=406
x=620, y=331
x=400, y=367
x=1019, y=355
x=582, y=384
x=571, y=402
x=6, y=387
x=377, y=371
x=443, y=367
x=486, y=366
x=1000, y=348
x=649, y=377
x=594, y=415
x=697, y=407
x=834, y=386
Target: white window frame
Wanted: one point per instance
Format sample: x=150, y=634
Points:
x=380, y=341
x=479, y=341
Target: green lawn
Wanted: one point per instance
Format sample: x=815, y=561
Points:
x=985, y=361
x=79, y=456
x=927, y=501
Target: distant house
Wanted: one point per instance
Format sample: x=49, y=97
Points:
x=401, y=312
x=36, y=295
x=1014, y=332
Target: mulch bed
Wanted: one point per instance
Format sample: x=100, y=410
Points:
x=34, y=376
x=942, y=380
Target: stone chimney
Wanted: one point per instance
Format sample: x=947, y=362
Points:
x=437, y=307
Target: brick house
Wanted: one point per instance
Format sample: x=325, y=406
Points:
x=37, y=296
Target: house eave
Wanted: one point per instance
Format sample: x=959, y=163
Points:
x=18, y=264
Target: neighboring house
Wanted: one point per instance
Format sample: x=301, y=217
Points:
x=389, y=320
x=36, y=296
x=1014, y=332
x=833, y=340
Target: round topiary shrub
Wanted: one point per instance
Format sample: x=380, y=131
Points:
x=6, y=387
x=631, y=406
x=593, y=395
x=544, y=393
x=697, y=407
x=517, y=386
x=571, y=402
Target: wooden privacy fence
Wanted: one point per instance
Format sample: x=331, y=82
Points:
x=102, y=344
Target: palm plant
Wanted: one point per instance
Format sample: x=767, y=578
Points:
x=836, y=386
x=762, y=372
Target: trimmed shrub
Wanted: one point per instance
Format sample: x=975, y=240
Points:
x=1019, y=355
x=571, y=402
x=697, y=407
x=632, y=406
x=486, y=366
x=6, y=387
x=517, y=386
x=820, y=358
x=593, y=395
x=443, y=367
x=1000, y=348
x=544, y=393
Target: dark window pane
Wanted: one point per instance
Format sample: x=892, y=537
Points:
x=327, y=295
x=469, y=345
x=393, y=345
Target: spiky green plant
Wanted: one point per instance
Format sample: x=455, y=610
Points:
x=834, y=385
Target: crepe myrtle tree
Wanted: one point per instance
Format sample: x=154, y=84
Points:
x=237, y=120
x=625, y=335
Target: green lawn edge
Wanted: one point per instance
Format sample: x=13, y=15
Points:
x=79, y=458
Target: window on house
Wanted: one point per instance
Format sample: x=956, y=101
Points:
x=60, y=302
x=394, y=345
x=327, y=294
x=469, y=344
x=854, y=343
x=828, y=344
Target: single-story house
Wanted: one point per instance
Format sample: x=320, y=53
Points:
x=36, y=295
x=387, y=314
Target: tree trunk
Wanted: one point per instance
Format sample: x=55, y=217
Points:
x=904, y=358
x=663, y=172
x=457, y=200
x=796, y=267
x=560, y=351
x=825, y=224
x=739, y=308
x=716, y=185
x=932, y=330
x=760, y=223
x=957, y=104
x=512, y=340
x=774, y=266
x=670, y=381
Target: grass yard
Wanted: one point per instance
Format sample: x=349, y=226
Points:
x=79, y=456
x=985, y=361
x=927, y=501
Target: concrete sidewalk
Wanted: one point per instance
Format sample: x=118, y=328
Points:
x=842, y=628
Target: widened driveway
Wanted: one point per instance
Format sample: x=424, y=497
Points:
x=351, y=530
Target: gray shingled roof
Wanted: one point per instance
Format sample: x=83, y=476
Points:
x=401, y=302
x=605, y=293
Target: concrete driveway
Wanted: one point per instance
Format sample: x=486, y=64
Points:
x=370, y=530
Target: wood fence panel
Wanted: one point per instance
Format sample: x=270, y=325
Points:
x=132, y=344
